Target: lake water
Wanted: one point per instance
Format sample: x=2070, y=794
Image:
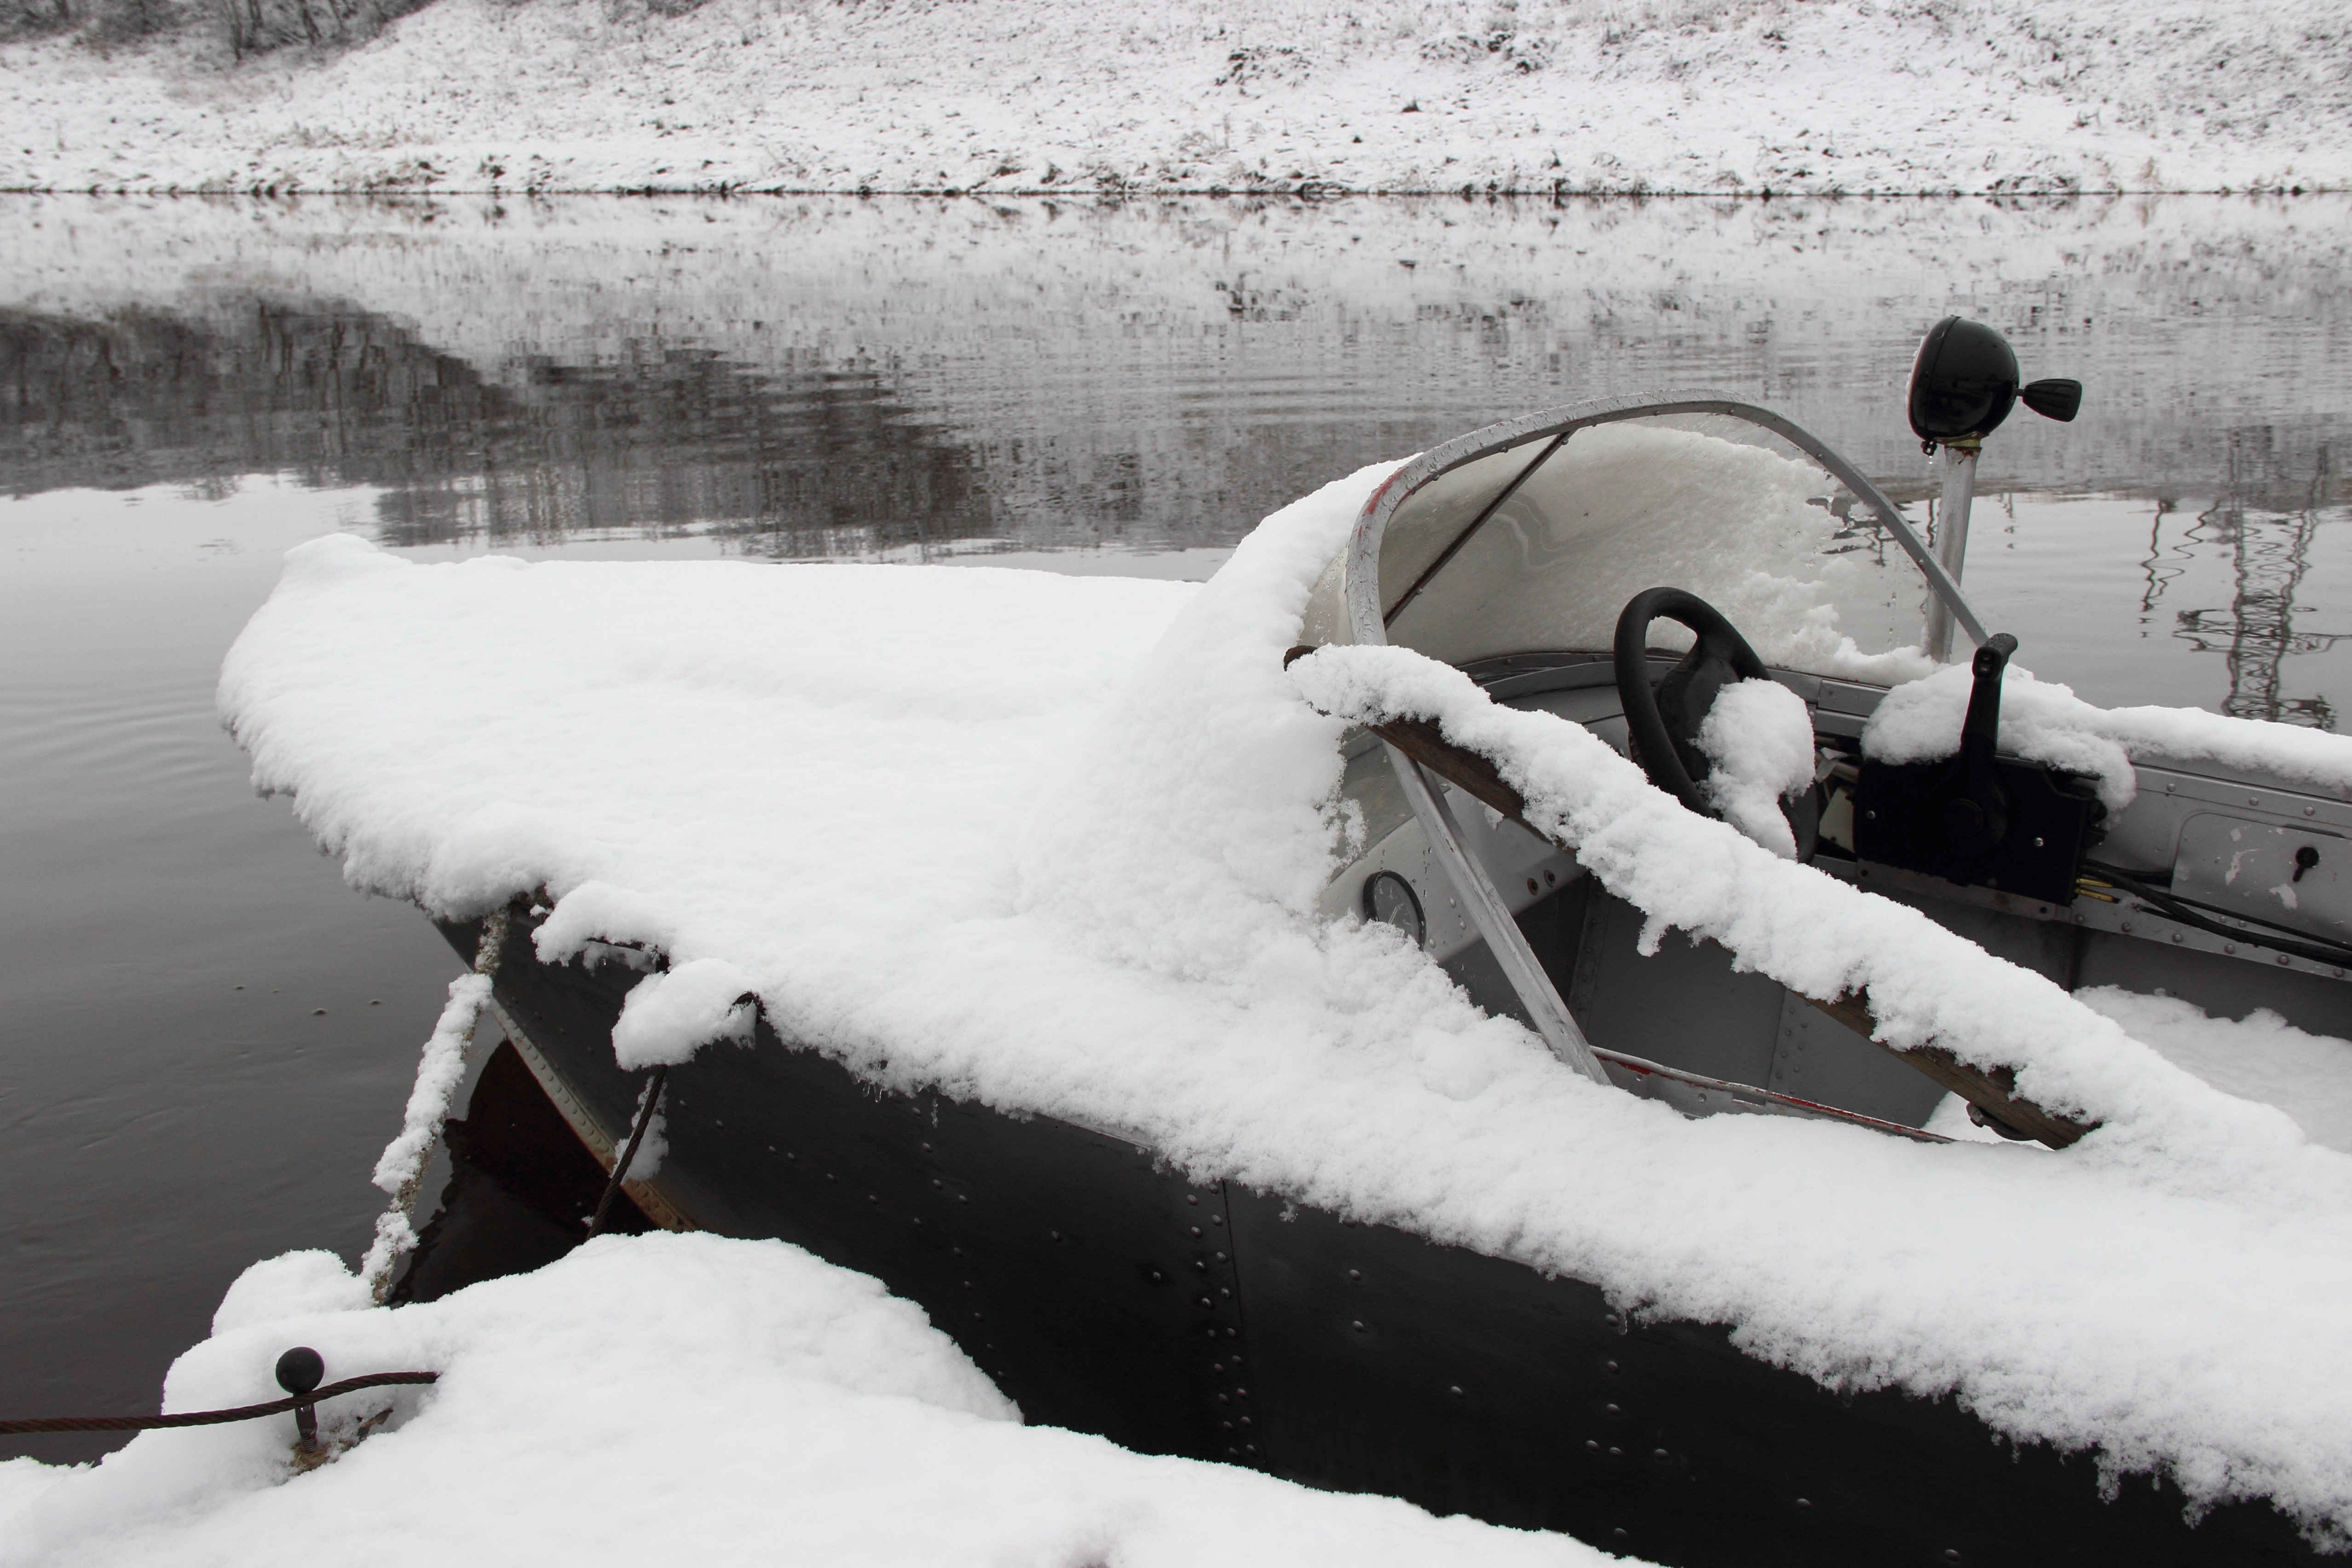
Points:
x=205, y=1039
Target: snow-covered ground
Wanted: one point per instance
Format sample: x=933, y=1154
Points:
x=1743, y=97
x=671, y=1399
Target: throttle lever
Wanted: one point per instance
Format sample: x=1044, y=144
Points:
x=1974, y=815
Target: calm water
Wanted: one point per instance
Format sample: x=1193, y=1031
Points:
x=205, y=1038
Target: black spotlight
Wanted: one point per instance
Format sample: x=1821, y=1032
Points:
x=1965, y=383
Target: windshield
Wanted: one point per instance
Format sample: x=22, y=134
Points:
x=1539, y=543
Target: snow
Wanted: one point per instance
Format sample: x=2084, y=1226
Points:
x=1758, y=735
x=1056, y=845
x=2259, y=1056
x=441, y=1066
x=2044, y=721
x=1844, y=96
x=666, y=1398
x=1627, y=505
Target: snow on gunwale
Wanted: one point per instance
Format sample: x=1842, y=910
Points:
x=1054, y=845
x=673, y=1398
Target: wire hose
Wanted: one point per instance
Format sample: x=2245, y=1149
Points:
x=2298, y=944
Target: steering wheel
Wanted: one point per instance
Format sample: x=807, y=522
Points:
x=1663, y=722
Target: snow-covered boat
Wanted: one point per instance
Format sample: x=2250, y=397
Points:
x=1178, y=1055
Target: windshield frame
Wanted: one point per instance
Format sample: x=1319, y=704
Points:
x=1369, y=618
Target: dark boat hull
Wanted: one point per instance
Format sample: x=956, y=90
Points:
x=1107, y=1294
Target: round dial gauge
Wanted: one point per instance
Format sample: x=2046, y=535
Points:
x=1388, y=897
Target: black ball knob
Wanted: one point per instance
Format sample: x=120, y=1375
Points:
x=300, y=1370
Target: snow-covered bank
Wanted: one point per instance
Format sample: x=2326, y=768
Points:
x=671, y=1398
x=1055, y=845
x=1392, y=95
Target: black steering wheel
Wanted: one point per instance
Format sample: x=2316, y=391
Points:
x=1663, y=722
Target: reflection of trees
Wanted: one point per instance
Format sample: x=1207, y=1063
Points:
x=2270, y=554
x=657, y=436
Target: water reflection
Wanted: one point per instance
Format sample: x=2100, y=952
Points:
x=655, y=435
x=826, y=377
x=2270, y=556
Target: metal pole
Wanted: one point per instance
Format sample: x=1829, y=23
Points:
x=1952, y=538
x=1509, y=945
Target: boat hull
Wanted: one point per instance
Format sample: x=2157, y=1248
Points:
x=1107, y=1293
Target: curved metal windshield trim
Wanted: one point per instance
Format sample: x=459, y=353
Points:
x=1368, y=618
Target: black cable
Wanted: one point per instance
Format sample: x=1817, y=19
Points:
x=2191, y=913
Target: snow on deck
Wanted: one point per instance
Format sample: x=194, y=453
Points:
x=1844, y=96
x=671, y=1399
x=1056, y=845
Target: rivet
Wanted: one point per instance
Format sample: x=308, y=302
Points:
x=1609, y=1367
x=2226, y=947
x=1230, y=1334
x=1660, y=1454
x=1191, y=1197
x=1157, y=1278
x=926, y=1148
x=1225, y=1292
x=1221, y=1400
x=1221, y=1258
x=937, y=1183
x=2307, y=811
x=2127, y=926
x=1355, y=1274
x=1196, y=1233
x=1216, y=1219
x=1456, y=1390
x=917, y=1222
x=790, y=1155
x=2176, y=936
x=1226, y=1424
x=830, y=1177
x=1241, y=1393
x=1805, y=1502
x=1232, y=1453
x=1206, y=1304
x=1615, y=1452
x=2041, y=843
x=1249, y=1447
x=2253, y=800
x=873, y=1197
x=963, y=1197
x=1052, y=1236
x=1245, y=1421
x=1199, y=1266
x=1358, y=1325
x=1613, y=1410
x=2282, y=958
x=1591, y=1446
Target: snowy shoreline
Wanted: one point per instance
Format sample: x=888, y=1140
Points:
x=1054, y=96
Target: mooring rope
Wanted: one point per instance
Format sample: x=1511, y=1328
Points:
x=440, y=1069
x=654, y=1082
x=210, y=1418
